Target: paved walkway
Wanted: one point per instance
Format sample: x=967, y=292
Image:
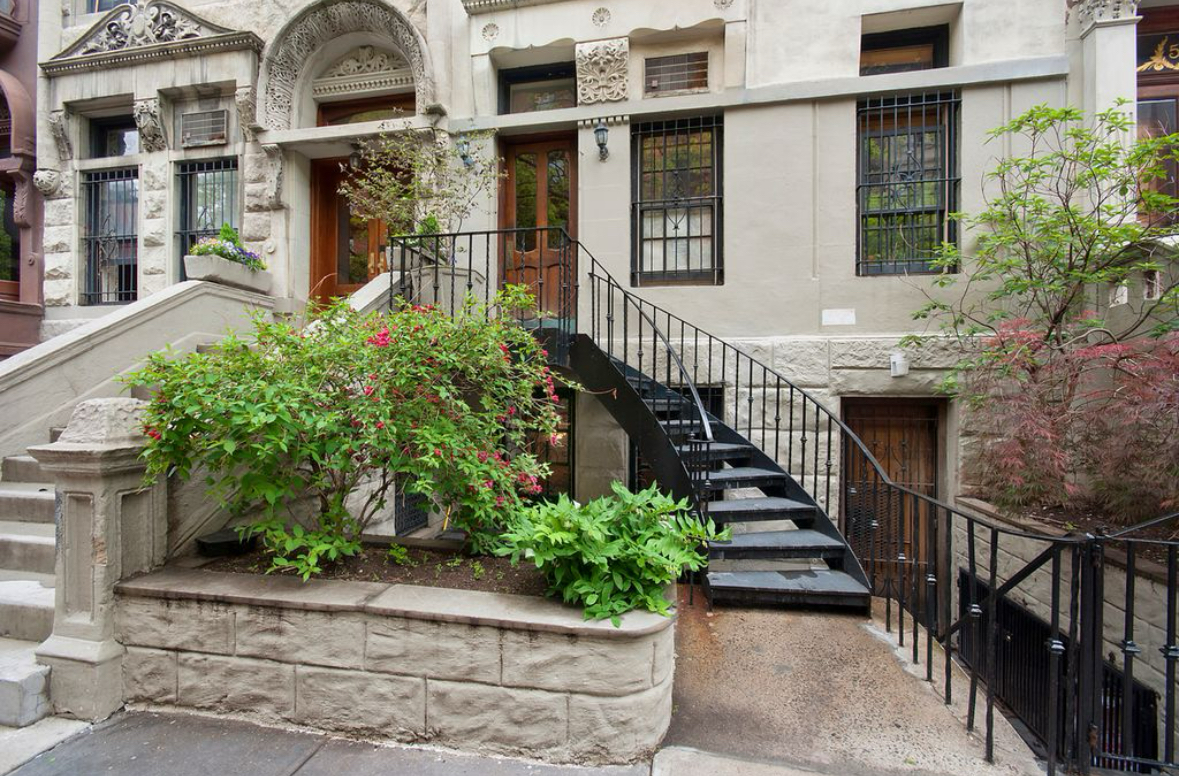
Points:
x=150, y=744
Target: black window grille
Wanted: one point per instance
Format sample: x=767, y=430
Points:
x=208, y=199
x=110, y=236
x=677, y=203
x=908, y=181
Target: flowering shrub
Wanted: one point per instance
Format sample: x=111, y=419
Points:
x=340, y=409
x=615, y=553
x=227, y=245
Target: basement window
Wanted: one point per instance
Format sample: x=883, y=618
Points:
x=903, y=51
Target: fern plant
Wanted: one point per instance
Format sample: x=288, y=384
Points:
x=615, y=553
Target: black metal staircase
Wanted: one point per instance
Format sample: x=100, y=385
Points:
x=785, y=551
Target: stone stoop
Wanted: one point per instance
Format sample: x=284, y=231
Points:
x=27, y=546
x=24, y=684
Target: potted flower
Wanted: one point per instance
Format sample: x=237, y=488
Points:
x=222, y=259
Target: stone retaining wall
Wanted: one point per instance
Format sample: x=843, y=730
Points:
x=468, y=670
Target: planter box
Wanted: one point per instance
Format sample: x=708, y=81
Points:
x=228, y=273
x=468, y=670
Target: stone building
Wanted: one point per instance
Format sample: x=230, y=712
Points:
x=20, y=232
x=161, y=120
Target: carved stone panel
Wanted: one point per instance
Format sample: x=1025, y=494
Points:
x=59, y=125
x=151, y=127
x=603, y=68
x=274, y=162
x=246, y=101
x=48, y=182
x=1092, y=12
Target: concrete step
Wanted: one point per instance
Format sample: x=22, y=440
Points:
x=26, y=546
x=26, y=608
x=22, y=468
x=26, y=502
x=24, y=684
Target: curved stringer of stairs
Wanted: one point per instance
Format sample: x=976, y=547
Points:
x=785, y=549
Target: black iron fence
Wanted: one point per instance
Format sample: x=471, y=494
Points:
x=909, y=543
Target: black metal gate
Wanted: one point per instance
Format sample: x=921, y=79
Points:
x=1023, y=680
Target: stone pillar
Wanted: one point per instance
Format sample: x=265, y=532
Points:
x=1109, y=48
x=109, y=526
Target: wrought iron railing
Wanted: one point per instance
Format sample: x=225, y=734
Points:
x=912, y=545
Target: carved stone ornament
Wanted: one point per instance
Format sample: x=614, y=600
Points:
x=601, y=17
x=324, y=22
x=246, y=101
x=490, y=31
x=48, y=182
x=723, y=4
x=274, y=161
x=59, y=125
x=151, y=128
x=143, y=31
x=602, y=71
x=1092, y=12
x=363, y=71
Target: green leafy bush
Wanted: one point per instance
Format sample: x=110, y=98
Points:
x=614, y=554
x=333, y=413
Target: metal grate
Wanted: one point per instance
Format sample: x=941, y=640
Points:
x=676, y=73
x=208, y=199
x=908, y=181
x=110, y=236
x=204, y=128
x=677, y=208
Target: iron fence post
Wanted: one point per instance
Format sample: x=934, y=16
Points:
x=1090, y=653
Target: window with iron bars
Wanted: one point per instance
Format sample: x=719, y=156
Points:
x=907, y=181
x=110, y=236
x=676, y=228
x=208, y=199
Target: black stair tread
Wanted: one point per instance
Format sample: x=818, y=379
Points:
x=715, y=448
x=800, y=539
x=764, y=504
x=814, y=581
x=738, y=473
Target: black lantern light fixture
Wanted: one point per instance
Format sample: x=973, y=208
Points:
x=354, y=158
x=601, y=135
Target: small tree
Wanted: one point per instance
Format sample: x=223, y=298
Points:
x=1046, y=362
x=421, y=181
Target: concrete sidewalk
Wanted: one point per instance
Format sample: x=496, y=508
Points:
x=154, y=744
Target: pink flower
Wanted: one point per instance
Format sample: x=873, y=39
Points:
x=511, y=411
x=499, y=501
x=368, y=390
x=482, y=456
x=380, y=424
x=437, y=451
x=554, y=439
x=381, y=338
x=151, y=432
x=488, y=484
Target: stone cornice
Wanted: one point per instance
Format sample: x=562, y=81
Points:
x=475, y=7
x=213, y=44
x=362, y=82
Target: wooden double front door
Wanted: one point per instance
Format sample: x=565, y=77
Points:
x=346, y=251
x=541, y=194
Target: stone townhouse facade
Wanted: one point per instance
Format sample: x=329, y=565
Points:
x=769, y=223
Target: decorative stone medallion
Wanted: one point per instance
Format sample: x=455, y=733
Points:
x=723, y=4
x=48, y=182
x=602, y=70
x=490, y=31
x=601, y=17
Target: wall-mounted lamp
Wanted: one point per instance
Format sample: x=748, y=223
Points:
x=354, y=158
x=602, y=134
x=464, y=151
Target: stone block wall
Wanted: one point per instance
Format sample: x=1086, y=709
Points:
x=468, y=670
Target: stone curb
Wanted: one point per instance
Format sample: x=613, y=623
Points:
x=469, y=607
